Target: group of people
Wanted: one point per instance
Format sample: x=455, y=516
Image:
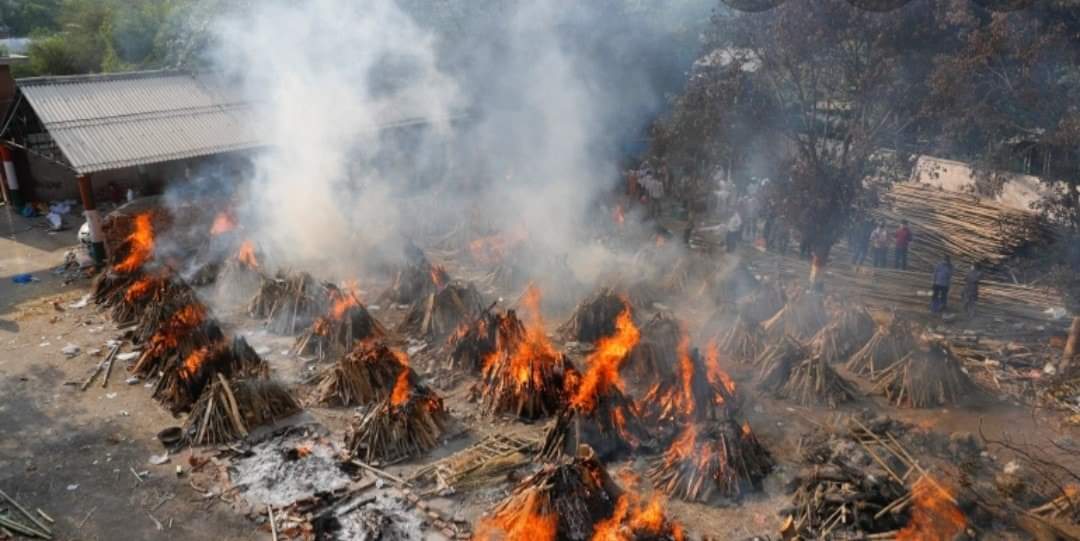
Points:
x=869, y=237
x=942, y=280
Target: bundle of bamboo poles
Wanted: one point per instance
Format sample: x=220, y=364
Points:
x=229, y=409
x=959, y=224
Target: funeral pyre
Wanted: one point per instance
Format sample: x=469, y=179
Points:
x=574, y=500
x=599, y=413
x=367, y=374
x=525, y=375
x=335, y=332
x=408, y=423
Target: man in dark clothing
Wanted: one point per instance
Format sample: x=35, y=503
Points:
x=903, y=239
x=971, y=290
x=859, y=240
x=939, y=301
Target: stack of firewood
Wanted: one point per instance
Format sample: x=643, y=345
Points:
x=777, y=359
x=595, y=316
x=888, y=345
x=365, y=376
x=346, y=322
x=849, y=331
x=742, y=340
x=183, y=381
x=288, y=302
x=475, y=341
x=654, y=358
x=415, y=280
x=802, y=317
x=810, y=382
x=229, y=409
x=926, y=378
x=398, y=428
x=712, y=459
x=612, y=426
x=769, y=299
x=439, y=313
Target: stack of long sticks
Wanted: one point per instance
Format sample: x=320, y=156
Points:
x=364, y=376
x=810, y=382
x=720, y=458
x=392, y=432
x=289, y=302
x=229, y=409
x=742, y=340
x=926, y=379
x=961, y=225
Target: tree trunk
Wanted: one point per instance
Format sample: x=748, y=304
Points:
x=1071, y=344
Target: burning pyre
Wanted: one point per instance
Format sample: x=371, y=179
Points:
x=595, y=317
x=712, y=459
x=525, y=375
x=229, y=409
x=288, y=302
x=183, y=379
x=336, y=331
x=440, y=313
x=476, y=340
x=926, y=378
x=368, y=374
x=654, y=358
x=702, y=391
x=576, y=500
x=416, y=279
x=404, y=425
x=599, y=414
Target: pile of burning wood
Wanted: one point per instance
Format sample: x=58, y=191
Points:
x=289, y=302
x=346, y=322
x=416, y=279
x=366, y=375
x=576, y=500
x=438, y=314
x=406, y=424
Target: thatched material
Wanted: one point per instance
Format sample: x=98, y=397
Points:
x=345, y=323
x=229, y=409
x=289, y=303
x=801, y=317
x=654, y=358
x=810, y=382
x=742, y=340
x=365, y=376
x=439, y=314
x=183, y=381
x=886, y=347
x=764, y=303
x=925, y=379
x=595, y=316
x=397, y=430
x=718, y=459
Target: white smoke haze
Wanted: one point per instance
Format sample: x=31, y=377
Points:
x=322, y=77
x=538, y=147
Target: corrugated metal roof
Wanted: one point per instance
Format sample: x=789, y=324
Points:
x=103, y=122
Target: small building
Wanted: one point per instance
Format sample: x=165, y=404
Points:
x=126, y=130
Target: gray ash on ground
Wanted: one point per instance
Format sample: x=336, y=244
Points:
x=382, y=517
x=288, y=465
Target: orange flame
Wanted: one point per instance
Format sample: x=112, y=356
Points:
x=223, y=223
x=246, y=254
x=631, y=521
x=493, y=249
x=303, y=450
x=717, y=376
x=438, y=276
x=527, y=523
x=193, y=362
x=686, y=373
x=138, y=290
x=660, y=241
x=343, y=300
x=168, y=336
x=528, y=354
x=402, y=388
x=934, y=515
x=140, y=244
x=605, y=361
x=618, y=215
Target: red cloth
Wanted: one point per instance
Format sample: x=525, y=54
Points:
x=903, y=237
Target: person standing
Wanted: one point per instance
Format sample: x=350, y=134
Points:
x=879, y=241
x=903, y=240
x=734, y=231
x=859, y=240
x=971, y=290
x=939, y=300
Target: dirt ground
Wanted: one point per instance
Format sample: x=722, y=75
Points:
x=84, y=457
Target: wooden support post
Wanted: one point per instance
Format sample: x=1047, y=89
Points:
x=97, y=237
x=11, y=181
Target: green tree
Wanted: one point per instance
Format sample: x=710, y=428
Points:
x=22, y=17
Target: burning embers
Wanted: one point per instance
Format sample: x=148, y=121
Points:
x=344, y=323
x=576, y=500
x=368, y=374
x=524, y=375
x=599, y=414
x=407, y=424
